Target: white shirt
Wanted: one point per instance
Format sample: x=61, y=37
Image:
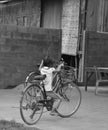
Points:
x=49, y=77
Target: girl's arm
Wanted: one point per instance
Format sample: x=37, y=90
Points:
x=41, y=65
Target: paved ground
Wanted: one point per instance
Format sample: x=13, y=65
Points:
x=92, y=115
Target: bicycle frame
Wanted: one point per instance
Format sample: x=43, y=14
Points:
x=58, y=81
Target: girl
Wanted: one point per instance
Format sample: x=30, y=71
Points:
x=48, y=69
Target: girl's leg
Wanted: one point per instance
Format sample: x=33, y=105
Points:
x=57, y=101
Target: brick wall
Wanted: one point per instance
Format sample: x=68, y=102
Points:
x=96, y=49
x=22, y=48
x=21, y=13
x=95, y=53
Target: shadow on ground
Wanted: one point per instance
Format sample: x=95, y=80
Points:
x=12, y=125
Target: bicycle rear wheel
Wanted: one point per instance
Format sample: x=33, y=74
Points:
x=30, y=108
x=30, y=78
x=71, y=100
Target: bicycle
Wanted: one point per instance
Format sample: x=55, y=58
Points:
x=34, y=98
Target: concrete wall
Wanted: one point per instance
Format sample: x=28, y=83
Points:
x=22, y=48
x=70, y=25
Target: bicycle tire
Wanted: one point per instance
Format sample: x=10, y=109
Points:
x=71, y=94
x=29, y=104
x=30, y=78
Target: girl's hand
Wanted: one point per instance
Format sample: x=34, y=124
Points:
x=59, y=66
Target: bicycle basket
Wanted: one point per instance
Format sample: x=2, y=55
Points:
x=68, y=74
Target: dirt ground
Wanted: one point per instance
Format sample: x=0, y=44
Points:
x=92, y=114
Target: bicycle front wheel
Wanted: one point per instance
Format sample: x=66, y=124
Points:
x=30, y=108
x=71, y=100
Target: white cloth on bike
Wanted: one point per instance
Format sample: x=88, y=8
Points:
x=48, y=71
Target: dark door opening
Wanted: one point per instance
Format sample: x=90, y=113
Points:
x=70, y=60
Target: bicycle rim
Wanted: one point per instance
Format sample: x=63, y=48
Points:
x=29, y=79
x=30, y=108
x=71, y=100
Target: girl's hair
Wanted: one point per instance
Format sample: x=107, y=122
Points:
x=48, y=62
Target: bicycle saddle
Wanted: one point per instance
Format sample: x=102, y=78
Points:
x=40, y=77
